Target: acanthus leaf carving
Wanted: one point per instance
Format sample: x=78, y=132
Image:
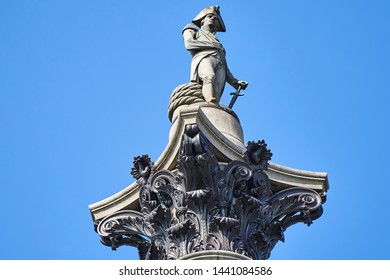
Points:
x=142, y=170
x=257, y=155
x=201, y=206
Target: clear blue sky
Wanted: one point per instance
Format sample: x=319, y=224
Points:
x=84, y=88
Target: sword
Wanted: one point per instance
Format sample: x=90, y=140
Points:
x=235, y=96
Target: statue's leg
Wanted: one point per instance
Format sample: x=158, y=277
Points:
x=207, y=75
x=219, y=81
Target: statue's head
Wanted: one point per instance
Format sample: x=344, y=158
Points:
x=208, y=12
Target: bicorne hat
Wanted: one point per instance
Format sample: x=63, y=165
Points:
x=210, y=10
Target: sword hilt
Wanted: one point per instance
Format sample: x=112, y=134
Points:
x=235, y=96
x=237, y=93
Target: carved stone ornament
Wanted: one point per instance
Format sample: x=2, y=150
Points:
x=201, y=206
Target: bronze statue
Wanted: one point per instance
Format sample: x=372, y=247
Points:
x=209, y=67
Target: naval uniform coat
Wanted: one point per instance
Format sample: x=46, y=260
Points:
x=202, y=44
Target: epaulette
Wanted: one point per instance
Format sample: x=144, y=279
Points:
x=190, y=26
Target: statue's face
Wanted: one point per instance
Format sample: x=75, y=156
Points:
x=212, y=21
